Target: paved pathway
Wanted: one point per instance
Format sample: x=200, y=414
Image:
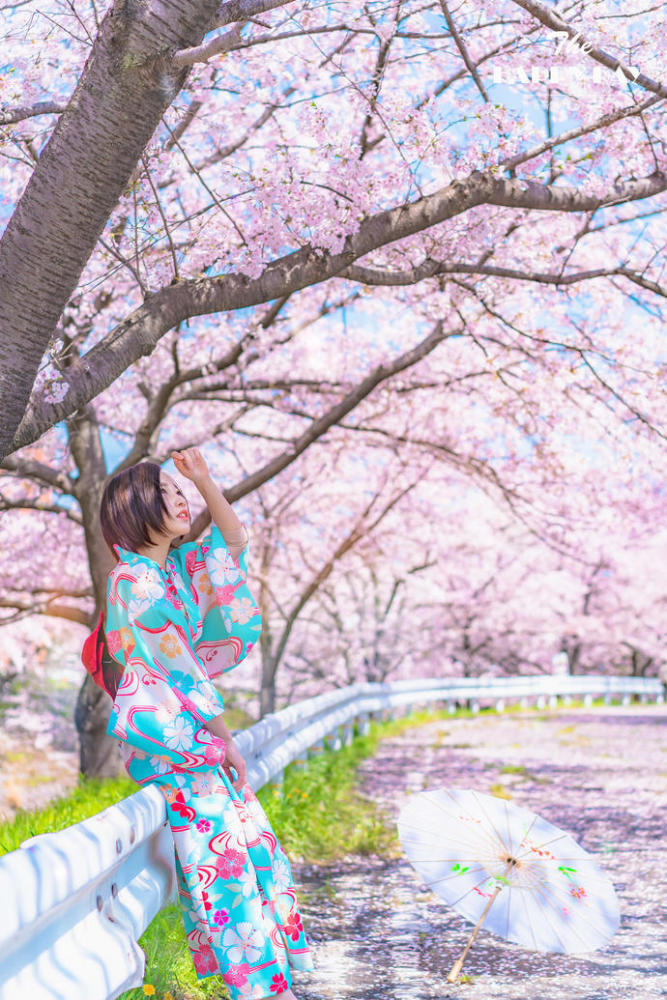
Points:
x=379, y=934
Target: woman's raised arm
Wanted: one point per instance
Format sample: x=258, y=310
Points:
x=192, y=464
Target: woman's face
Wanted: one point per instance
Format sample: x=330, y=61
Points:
x=177, y=518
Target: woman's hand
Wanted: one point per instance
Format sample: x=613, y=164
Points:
x=191, y=463
x=234, y=759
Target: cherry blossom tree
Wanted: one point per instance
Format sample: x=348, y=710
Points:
x=475, y=593
x=193, y=165
x=302, y=546
x=298, y=232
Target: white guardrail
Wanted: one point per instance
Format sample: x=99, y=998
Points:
x=74, y=903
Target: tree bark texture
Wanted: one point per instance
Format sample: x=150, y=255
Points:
x=98, y=752
x=126, y=86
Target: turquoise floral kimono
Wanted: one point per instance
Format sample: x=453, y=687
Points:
x=172, y=630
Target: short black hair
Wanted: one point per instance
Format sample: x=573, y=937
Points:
x=132, y=506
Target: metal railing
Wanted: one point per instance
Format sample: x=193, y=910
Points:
x=74, y=903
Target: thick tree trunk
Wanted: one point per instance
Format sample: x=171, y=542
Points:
x=126, y=86
x=98, y=753
x=267, y=695
x=267, y=690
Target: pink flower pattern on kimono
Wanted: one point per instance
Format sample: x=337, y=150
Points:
x=237, y=975
x=294, y=927
x=225, y=595
x=205, y=961
x=172, y=631
x=231, y=864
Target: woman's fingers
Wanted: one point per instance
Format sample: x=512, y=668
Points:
x=241, y=779
x=189, y=461
x=238, y=767
x=238, y=782
x=241, y=772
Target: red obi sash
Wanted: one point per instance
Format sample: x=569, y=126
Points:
x=98, y=661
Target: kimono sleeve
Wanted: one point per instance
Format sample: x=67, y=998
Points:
x=164, y=696
x=231, y=620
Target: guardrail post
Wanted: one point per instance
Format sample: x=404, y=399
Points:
x=608, y=699
x=553, y=701
x=364, y=724
x=523, y=702
x=278, y=781
x=567, y=699
x=643, y=699
x=500, y=705
x=333, y=740
x=474, y=705
x=626, y=699
x=588, y=700
x=540, y=701
x=451, y=707
x=660, y=699
x=347, y=733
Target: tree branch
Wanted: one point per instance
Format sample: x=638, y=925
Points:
x=550, y=19
x=575, y=133
x=359, y=530
x=243, y=10
x=24, y=503
x=202, y=53
x=430, y=268
x=461, y=46
x=24, y=609
x=333, y=416
x=10, y=116
x=29, y=468
x=137, y=335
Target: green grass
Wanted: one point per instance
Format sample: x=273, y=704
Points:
x=319, y=815
x=88, y=797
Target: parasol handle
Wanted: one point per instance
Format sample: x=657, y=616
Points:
x=458, y=964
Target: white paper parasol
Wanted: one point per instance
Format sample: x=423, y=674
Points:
x=500, y=864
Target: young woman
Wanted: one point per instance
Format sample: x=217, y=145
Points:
x=175, y=619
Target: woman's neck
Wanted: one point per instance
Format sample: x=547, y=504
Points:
x=158, y=552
